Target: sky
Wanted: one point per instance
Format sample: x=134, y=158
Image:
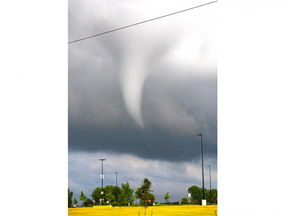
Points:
x=138, y=97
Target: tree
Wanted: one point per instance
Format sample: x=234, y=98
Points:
x=127, y=194
x=110, y=192
x=70, y=195
x=118, y=193
x=75, y=201
x=196, y=194
x=207, y=195
x=82, y=197
x=150, y=197
x=184, y=200
x=167, y=197
x=144, y=192
x=214, y=195
x=96, y=195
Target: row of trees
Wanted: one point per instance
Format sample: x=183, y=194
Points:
x=114, y=195
x=117, y=196
x=123, y=196
x=197, y=193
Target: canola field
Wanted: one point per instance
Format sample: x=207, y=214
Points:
x=191, y=210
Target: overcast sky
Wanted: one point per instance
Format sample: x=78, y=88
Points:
x=139, y=96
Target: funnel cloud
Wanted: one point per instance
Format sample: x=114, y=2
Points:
x=133, y=75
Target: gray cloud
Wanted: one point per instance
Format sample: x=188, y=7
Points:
x=174, y=111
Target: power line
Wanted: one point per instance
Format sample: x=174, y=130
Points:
x=85, y=38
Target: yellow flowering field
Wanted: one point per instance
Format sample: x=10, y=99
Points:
x=191, y=210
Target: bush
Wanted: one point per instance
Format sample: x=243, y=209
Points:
x=88, y=202
x=184, y=201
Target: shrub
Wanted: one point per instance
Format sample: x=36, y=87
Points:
x=184, y=200
x=88, y=202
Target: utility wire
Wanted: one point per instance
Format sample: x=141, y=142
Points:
x=85, y=38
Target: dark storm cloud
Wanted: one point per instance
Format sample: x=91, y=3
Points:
x=172, y=99
x=169, y=133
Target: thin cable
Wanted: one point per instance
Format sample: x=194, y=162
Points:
x=140, y=22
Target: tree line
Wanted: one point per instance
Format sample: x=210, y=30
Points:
x=124, y=195
x=116, y=196
x=196, y=196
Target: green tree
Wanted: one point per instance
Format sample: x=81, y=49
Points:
x=167, y=197
x=196, y=194
x=184, y=200
x=207, y=195
x=109, y=193
x=82, y=197
x=96, y=195
x=211, y=197
x=70, y=195
x=75, y=201
x=144, y=192
x=214, y=195
x=118, y=194
x=150, y=197
x=126, y=195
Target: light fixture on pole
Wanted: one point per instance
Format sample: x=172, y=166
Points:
x=203, y=196
x=210, y=185
x=102, y=177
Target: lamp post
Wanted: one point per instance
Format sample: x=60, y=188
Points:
x=116, y=189
x=102, y=177
x=203, y=196
x=210, y=185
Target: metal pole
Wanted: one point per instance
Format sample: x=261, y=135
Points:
x=202, y=169
x=203, y=196
x=102, y=177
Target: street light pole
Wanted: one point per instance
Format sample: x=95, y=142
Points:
x=203, y=196
x=102, y=177
x=210, y=185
